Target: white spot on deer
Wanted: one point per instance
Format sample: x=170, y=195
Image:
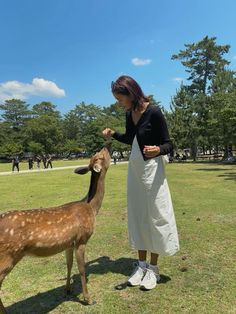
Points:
x=31, y=237
x=49, y=222
x=6, y=230
x=22, y=223
x=14, y=217
x=11, y=232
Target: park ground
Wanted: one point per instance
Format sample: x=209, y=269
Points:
x=200, y=278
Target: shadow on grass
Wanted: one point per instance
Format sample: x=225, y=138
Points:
x=45, y=302
x=227, y=175
x=211, y=169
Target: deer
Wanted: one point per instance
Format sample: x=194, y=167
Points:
x=47, y=231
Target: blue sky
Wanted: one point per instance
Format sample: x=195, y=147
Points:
x=69, y=51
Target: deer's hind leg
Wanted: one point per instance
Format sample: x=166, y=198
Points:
x=80, y=254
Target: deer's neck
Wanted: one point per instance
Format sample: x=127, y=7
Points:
x=96, y=190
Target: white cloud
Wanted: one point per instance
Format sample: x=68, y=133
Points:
x=138, y=61
x=178, y=79
x=38, y=87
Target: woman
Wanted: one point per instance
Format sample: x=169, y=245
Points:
x=151, y=220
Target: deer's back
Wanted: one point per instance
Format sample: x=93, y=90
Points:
x=47, y=231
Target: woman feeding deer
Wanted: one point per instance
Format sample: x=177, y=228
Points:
x=151, y=220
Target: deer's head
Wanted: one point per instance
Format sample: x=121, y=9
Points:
x=98, y=163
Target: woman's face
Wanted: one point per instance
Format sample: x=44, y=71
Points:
x=124, y=100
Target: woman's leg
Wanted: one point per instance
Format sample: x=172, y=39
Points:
x=142, y=256
x=154, y=258
x=152, y=275
x=137, y=276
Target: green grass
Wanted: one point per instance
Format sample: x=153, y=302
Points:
x=204, y=202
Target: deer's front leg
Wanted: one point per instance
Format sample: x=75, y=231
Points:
x=80, y=250
x=69, y=263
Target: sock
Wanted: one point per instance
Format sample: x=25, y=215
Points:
x=142, y=264
x=153, y=268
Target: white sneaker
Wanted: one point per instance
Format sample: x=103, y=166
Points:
x=137, y=276
x=150, y=279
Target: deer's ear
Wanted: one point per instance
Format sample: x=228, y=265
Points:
x=82, y=170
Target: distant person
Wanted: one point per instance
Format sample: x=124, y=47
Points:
x=49, y=161
x=177, y=156
x=31, y=163
x=15, y=164
x=171, y=159
x=114, y=159
x=44, y=159
x=38, y=161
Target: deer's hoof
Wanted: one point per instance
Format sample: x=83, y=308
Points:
x=89, y=302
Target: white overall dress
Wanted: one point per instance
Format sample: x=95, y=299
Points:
x=151, y=220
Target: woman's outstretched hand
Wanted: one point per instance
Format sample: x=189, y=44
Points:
x=151, y=151
x=108, y=133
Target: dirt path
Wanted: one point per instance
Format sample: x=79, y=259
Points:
x=10, y=173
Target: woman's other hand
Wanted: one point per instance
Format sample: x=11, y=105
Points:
x=151, y=151
x=108, y=133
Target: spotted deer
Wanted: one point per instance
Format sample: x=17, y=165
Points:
x=48, y=231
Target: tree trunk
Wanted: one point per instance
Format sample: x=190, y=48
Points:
x=226, y=152
x=194, y=151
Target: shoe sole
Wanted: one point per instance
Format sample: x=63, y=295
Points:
x=146, y=289
x=131, y=285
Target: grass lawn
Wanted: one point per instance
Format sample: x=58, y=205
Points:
x=199, y=279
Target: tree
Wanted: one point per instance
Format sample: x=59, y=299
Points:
x=11, y=149
x=15, y=112
x=71, y=147
x=207, y=67
x=202, y=60
x=222, y=121
x=5, y=131
x=183, y=121
x=45, y=108
x=35, y=148
x=115, y=119
x=45, y=130
x=83, y=125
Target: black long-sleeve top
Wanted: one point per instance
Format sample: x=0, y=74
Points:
x=151, y=129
